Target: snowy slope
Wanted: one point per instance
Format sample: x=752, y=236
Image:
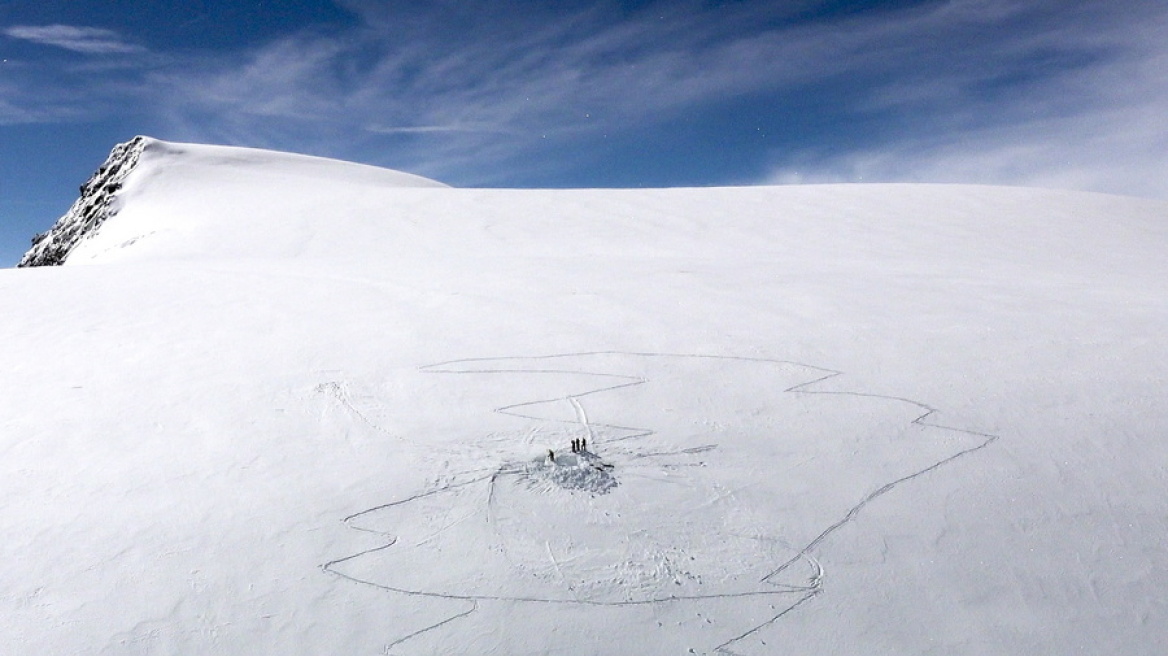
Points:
x=279, y=404
x=95, y=204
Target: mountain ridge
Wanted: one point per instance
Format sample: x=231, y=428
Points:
x=101, y=196
x=91, y=209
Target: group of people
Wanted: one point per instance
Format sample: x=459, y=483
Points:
x=579, y=445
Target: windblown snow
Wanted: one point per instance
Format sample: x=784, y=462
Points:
x=279, y=404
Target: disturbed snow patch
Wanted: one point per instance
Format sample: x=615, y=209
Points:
x=582, y=471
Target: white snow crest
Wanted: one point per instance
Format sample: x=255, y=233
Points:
x=90, y=210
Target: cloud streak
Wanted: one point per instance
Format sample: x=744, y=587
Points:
x=561, y=80
x=430, y=129
x=86, y=40
x=1096, y=125
x=1002, y=91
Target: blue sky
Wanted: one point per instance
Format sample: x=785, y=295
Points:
x=577, y=94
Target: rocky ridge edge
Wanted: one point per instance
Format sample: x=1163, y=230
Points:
x=89, y=211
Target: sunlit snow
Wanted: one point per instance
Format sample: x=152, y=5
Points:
x=280, y=404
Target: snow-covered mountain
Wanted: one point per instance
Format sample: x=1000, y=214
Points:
x=193, y=181
x=89, y=211
x=280, y=404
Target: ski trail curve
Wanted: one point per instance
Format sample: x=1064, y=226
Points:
x=609, y=381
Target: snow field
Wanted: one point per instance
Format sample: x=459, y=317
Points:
x=290, y=407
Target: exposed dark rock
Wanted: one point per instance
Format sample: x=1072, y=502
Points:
x=91, y=209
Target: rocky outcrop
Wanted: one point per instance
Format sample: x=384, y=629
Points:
x=92, y=208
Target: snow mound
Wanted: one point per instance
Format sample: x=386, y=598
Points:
x=584, y=472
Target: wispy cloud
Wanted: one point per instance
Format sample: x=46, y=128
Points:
x=497, y=98
x=1096, y=124
x=1005, y=91
x=87, y=40
x=431, y=129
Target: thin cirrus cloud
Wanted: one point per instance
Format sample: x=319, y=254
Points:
x=86, y=40
x=484, y=98
x=38, y=89
x=980, y=91
x=1038, y=92
x=1095, y=124
x=1118, y=150
x=430, y=129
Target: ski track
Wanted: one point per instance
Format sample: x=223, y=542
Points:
x=518, y=410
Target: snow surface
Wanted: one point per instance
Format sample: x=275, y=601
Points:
x=286, y=405
x=95, y=204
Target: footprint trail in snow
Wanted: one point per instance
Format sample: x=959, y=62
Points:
x=695, y=518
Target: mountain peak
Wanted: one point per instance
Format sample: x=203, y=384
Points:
x=94, y=205
x=215, y=187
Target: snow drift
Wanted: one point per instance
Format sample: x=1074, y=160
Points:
x=280, y=404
